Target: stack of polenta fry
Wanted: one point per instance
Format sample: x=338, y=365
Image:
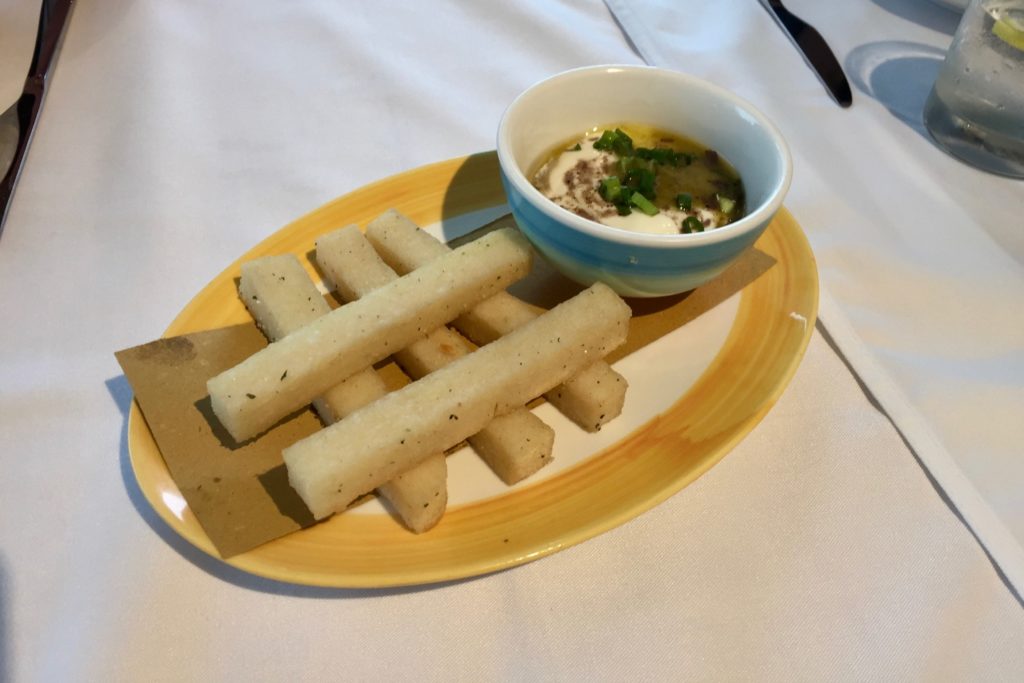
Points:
x=403, y=288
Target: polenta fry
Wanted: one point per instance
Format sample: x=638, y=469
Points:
x=591, y=398
x=515, y=445
x=332, y=467
x=290, y=373
x=282, y=298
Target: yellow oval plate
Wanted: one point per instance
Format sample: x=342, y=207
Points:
x=770, y=331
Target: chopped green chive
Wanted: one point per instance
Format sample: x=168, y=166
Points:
x=692, y=224
x=638, y=167
x=659, y=155
x=615, y=141
x=623, y=144
x=643, y=203
x=575, y=148
x=642, y=181
x=610, y=189
x=604, y=143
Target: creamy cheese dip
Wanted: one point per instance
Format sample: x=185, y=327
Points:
x=573, y=175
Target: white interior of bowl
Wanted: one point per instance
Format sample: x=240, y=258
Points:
x=569, y=104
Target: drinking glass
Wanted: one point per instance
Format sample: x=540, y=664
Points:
x=976, y=108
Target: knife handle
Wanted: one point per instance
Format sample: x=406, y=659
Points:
x=28, y=109
x=52, y=21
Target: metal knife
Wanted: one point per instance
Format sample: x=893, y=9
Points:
x=815, y=51
x=18, y=122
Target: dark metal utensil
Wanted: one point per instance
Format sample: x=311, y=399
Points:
x=815, y=51
x=19, y=121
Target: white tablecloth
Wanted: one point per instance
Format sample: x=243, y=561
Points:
x=829, y=544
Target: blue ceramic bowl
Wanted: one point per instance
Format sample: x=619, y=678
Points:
x=569, y=104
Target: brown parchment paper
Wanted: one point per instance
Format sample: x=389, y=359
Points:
x=239, y=492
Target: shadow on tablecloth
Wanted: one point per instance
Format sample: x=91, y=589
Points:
x=927, y=14
x=899, y=75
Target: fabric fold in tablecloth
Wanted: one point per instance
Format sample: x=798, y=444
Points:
x=961, y=494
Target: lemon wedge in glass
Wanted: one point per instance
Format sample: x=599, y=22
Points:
x=1009, y=29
